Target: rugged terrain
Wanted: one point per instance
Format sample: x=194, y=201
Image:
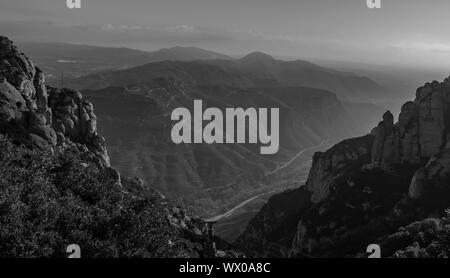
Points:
x=57, y=186
x=389, y=187
x=133, y=106
x=212, y=178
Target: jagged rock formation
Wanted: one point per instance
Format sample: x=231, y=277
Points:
x=364, y=189
x=419, y=139
x=420, y=135
x=421, y=132
x=41, y=116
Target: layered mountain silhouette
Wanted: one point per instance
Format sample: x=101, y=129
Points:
x=259, y=68
x=389, y=187
x=116, y=55
x=254, y=70
x=75, y=60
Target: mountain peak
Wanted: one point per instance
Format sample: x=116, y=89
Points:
x=179, y=47
x=258, y=56
x=187, y=53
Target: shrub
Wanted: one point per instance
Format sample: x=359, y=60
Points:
x=48, y=201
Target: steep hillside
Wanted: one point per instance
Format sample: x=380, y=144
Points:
x=211, y=178
x=363, y=190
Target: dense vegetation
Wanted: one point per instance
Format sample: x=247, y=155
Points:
x=50, y=200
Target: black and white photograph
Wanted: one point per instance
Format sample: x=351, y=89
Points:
x=243, y=130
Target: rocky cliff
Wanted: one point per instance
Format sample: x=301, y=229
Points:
x=419, y=139
x=45, y=117
x=364, y=189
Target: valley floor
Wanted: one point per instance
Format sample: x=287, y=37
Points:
x=232, y=223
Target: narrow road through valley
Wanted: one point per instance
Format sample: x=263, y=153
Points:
x=231, y=211
x=296, y=156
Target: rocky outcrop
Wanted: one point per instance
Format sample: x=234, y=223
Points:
x=74, y=119
x=365, y=188
x=430, y=183
x=420, y=135
x=421, y=131
x=385, y=149
x=419, y=140
x=330, y=165
x=40, y=116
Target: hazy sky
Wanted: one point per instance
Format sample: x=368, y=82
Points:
x=401, y=32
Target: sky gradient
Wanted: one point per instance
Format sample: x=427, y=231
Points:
x=402, y=32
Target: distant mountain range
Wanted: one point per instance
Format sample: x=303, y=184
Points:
x=76, y=60
x=195, y=65
x=117, y=55
x=253, y=70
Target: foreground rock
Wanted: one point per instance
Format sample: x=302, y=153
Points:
x=45, y=117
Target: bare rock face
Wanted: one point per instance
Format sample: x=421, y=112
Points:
x=408, y=128
x=412, y=154
x=12, y=104
x=419, y=138
x=431, y=102
x=421, y=131
x=431, y=182
x=41, y=116
x=385, y=149
x=74, y=119
x=16, y=67
x=328, y=166
x=419, y=134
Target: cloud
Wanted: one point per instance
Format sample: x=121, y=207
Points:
x=183, y=28
x=429, y=47
x=109, y=33
x=128, y=34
